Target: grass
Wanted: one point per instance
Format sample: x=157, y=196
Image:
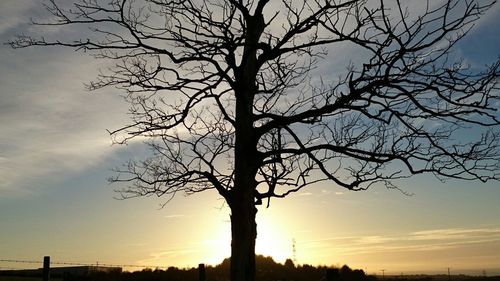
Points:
x=22, y=278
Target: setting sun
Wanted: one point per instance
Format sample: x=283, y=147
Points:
x=273, y=238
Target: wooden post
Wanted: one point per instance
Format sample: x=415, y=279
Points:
x=46, y=268
x=201, y=271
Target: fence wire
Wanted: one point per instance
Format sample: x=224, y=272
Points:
x=70, y=263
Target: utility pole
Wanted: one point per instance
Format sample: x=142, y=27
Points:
x=449, y=276
x=383, y=273
x=294, y=252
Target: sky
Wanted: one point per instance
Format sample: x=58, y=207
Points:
x=56, y=156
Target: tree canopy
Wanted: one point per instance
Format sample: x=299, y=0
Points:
x=230, y=96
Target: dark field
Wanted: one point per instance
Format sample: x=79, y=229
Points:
x=24, y=278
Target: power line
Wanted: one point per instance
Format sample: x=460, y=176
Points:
x=107, y=264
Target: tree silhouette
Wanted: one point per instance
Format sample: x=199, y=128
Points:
x=227, y=94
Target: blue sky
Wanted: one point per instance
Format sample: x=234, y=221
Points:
x=55, y=157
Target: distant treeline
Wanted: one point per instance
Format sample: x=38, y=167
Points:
x=267, y=270
x=441, y=277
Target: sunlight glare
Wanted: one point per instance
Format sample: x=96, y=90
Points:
x=273, y=238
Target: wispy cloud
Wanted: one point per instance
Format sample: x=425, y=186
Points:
x=425, y=240
x=15, y=13
x=175, y=216
x=305, y=194
x=166, y=257
x=456, y=234
x=50, y=126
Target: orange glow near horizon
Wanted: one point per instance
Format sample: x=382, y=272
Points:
x=273, y=238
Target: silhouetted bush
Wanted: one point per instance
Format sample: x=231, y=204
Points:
x=267, y=270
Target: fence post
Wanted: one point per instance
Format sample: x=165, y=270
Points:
x=201, y=272
x=46, y=268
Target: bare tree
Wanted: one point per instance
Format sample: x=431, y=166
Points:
x=226, y=94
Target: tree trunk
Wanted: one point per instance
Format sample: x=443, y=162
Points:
x=242, y=196
x=242, y=199
x=246, y=161
x=244, y=233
